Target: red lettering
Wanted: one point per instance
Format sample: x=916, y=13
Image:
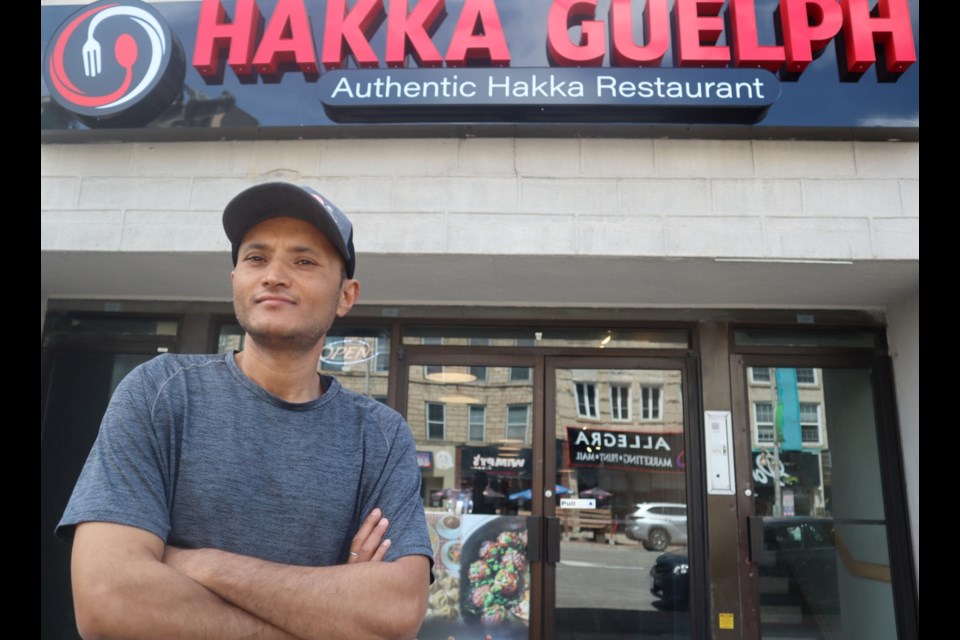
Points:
x=808, y=26
x=478, y=36
x=699, y=25
x=214, y=34
x=350, y=28
x=747, y=50
x=890, y=27
x=656, y=30
x=414, y=28
x=589, y=51
x=575, y=37
x=287, y=38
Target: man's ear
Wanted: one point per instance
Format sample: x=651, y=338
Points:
x=349, y=293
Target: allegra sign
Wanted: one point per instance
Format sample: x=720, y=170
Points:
x=807, y=27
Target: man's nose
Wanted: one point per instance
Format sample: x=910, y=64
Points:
x=276, y=274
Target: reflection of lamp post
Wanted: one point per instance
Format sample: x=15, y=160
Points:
x=367, y=381
x=777, y=431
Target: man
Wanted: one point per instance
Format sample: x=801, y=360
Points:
x=245, y=495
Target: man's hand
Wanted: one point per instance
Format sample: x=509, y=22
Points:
x=320, y=602
x=122, y=589
x=368, y=545
x=363, y=600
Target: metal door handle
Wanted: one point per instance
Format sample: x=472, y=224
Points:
x=553, y=539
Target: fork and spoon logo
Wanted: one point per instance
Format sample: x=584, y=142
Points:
x=108, y=62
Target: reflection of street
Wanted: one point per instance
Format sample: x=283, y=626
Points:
x=593, y=575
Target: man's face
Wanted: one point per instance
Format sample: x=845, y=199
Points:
x=289, y=285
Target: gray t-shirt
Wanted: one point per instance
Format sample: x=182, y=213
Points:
x=194, y=451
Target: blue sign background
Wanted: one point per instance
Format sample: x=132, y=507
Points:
x=817, y=104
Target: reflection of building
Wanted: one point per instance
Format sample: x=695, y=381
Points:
x=477, y=418
x=621, y=408
x=647, y=400
x=493, y=408
x=803, y=450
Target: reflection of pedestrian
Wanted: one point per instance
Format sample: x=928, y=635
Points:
x=481, y=503
x=509, y=506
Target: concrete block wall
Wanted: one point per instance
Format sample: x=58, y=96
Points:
x=670, y=199
x=651, y=198
x=903, y=335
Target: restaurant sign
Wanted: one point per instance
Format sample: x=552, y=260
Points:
x=635, y=450
x=257, y=64
x=517, y=462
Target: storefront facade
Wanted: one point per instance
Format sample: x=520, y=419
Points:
x=576, y=319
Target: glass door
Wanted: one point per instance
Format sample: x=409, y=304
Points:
x=538, y=532
x=472, y=418
x=618, y=496
x=819, y=534
x=84, y=358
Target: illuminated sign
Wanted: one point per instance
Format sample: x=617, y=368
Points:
x=808, y=26
x=115, y=64
x=590, y=447
x=347, y=351
x=262, y=65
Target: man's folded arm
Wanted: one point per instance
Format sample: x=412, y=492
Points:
x=364, y=600
x=122, y=589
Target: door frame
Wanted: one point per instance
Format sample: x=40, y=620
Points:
x=56, y=604
x=695, y=480
x=544, y=360
x=876, y=360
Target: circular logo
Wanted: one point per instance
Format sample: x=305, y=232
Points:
x=115, y=64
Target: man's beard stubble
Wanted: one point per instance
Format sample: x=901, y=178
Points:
x=291, y=342
x=297, y=340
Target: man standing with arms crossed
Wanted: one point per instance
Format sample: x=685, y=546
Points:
x=245, y=495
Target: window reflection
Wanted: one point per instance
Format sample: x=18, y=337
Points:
x=790, y=440
x=359, y=357
x=623, y=504
x=477, y=432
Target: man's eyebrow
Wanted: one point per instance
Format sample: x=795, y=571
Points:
x=305, y=249
x=257, y=246
x=262, y=246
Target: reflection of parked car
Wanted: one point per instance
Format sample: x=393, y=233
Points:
x=658, y=524
x=802, y=550
x=670, y=580
x=797, y=550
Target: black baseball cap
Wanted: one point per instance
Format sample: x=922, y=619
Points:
x=283, y=199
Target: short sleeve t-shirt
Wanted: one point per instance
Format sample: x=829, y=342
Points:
x=195, y=452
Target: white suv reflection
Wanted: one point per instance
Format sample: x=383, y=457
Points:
x=656, y=525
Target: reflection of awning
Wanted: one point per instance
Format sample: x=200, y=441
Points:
x=595, y=492
x=527, y=494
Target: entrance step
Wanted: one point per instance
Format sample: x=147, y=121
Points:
x=774, y=584
x=780, y=614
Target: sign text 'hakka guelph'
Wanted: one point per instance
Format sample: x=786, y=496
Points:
x=575, y=35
